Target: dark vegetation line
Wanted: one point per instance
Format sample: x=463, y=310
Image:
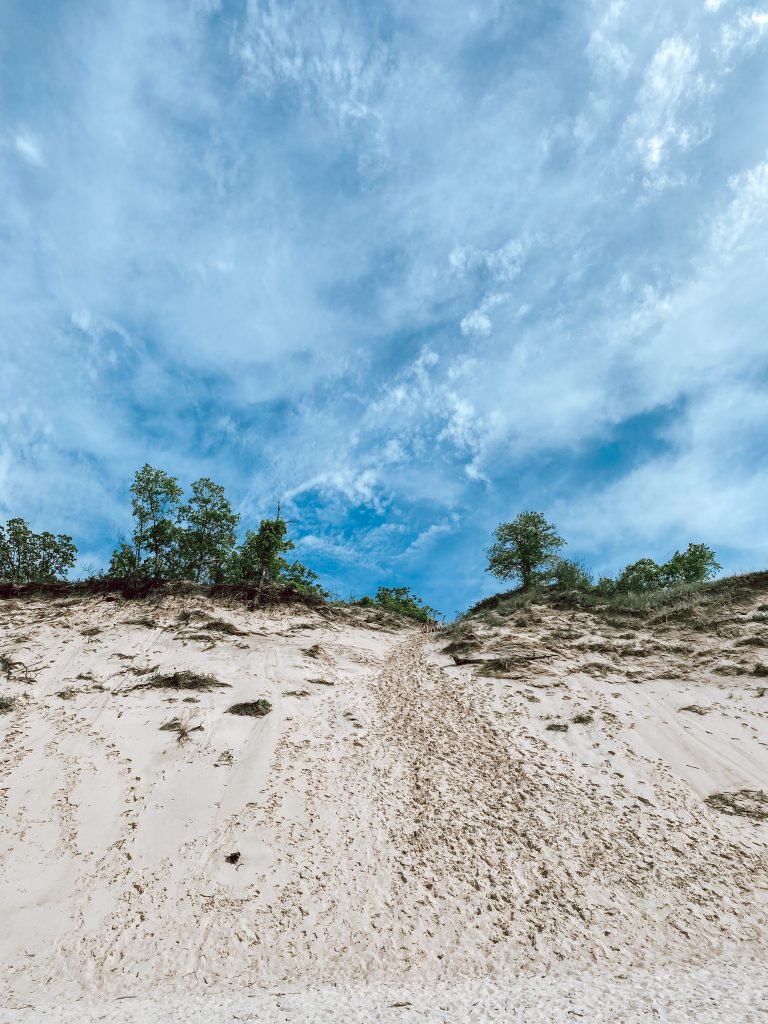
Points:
x=196, y=541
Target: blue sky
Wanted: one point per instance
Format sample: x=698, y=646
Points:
x=409, y=268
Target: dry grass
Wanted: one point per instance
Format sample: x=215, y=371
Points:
x=181, y=679
x=8, y=703
x=183, y=728
x=10, y=668
x=583, y=718
x=251, y=708
x=145, y=621
x=224, y=627
x=746, y=803
x=557, y=727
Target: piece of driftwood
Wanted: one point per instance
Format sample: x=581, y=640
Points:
x=511, y=658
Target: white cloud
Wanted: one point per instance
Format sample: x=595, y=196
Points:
x=707, y=487
x=317, y=49
x=477, y=324
x=744, y=34
x=29, y=148
x=502, y=264
x=609, y=57
x=669, y=117
x=747, y=214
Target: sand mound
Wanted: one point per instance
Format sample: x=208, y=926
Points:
x=418, y=822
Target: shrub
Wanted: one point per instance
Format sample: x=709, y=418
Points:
x=570, y=574
x=401, y=601
x=640, y=576
x=694, y=565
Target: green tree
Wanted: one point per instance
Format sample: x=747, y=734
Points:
x=207, y=535
x=124, y=563
x=694, y=565
x=259, y=559
x=155, y=497
x=523, y=549
x=644, y=574
x=305, y=580
x=27, y=557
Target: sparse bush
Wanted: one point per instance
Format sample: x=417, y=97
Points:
x=401, y=601
x=583, y=718
x=570, y=574
x=760, y=669
x=605, y=587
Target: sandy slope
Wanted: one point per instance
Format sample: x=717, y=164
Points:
x=414, y=828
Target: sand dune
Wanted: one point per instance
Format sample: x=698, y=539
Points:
x=398, y=829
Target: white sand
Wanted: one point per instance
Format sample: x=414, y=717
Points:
x=411, y=834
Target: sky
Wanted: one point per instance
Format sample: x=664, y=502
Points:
x=408, y=268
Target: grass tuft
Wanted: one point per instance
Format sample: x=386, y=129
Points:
x=182, y=727
x=8, y=703
x=251, y=708
x=182, y=679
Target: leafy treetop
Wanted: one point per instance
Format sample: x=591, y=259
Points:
x=27, y=557
x=523, y=549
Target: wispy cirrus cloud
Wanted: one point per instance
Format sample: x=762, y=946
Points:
x=388, y=264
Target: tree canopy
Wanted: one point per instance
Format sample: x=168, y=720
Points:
x=196, y=539
x=27, y=557
x=206, y=536
x=523, y=549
